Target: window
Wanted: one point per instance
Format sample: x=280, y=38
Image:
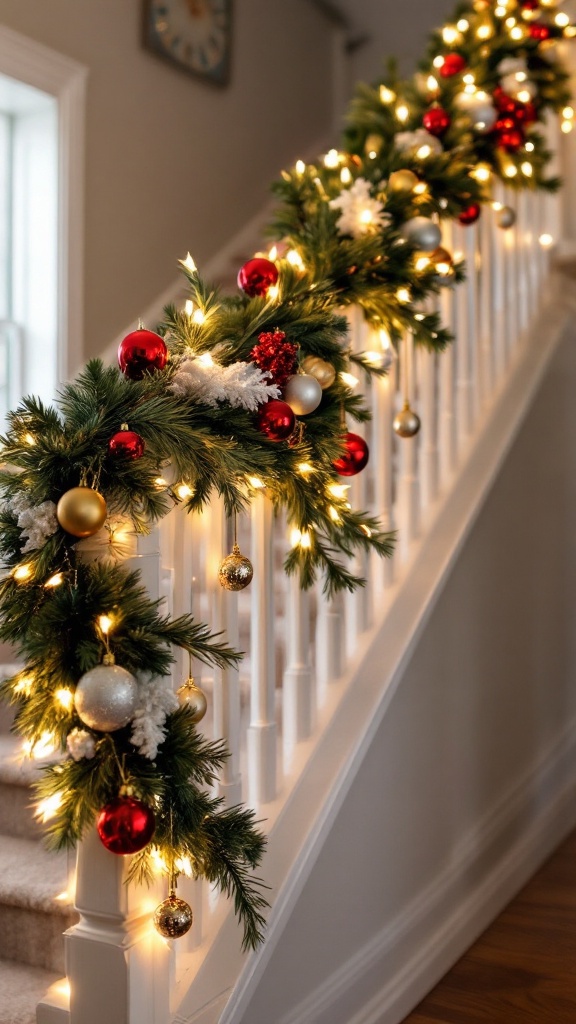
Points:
x=28, y=243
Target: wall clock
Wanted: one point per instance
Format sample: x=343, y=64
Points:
x=192, y=34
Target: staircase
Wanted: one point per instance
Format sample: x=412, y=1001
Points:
x=35, y=901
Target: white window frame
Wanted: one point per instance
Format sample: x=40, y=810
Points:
x=65, y=79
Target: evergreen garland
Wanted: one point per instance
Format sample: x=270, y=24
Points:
x=341, y=241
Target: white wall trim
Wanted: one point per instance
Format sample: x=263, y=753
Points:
x=439, y=923
x=65, y=79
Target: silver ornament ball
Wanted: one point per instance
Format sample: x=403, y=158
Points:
x=302, y=393
x=106, y=697
x=479, y=109
x=506, y=218
x=422, y=232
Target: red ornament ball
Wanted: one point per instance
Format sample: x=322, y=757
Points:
x=257, y=276
x=509, y=134
x=470, y=215
x=126, y=825
x=140, y=351
x=526, y=113
x=453, y=64
x=530, y=5
x=128, y=443
x=355, y=456
x=436, y=121
x=276, y=420
x=539, y=31
x=503, y=102
x=276, y=355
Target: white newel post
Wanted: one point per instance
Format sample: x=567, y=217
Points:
x=117, y=966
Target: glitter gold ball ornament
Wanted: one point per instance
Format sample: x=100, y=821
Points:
x=406, y=422
x=323, y=371
x=106, y=697
x=235, y=572
x=194, y=698
x=402, y=181
x=141, y=351
x=126, y=825
x=422, y=232
x=173, y=917
x=81, y=511
x=506, y=217
x=302, y=393
x=257, y=276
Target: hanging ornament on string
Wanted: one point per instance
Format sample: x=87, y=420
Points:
x=356, y=453
x=421, y=232
x=436, y=121
x=406, y=422
x=402, y=181
x=141, y=352
x=303, y=393
x=81, y=511
x=506, y=217
x=173, y=917
x=191, y=696
x=453, y=64
x=127, y=442
x=276, y=420
x=235, y=571
x=257, y=276
x=470, y=214
x=319, y=368
x=126, y=825
x=443, y=264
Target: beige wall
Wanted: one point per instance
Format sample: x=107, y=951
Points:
x=172, y=163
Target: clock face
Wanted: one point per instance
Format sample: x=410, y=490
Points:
x=194, y=34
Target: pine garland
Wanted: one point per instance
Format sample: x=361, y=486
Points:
x=341, y=237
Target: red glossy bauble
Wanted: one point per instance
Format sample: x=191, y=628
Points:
x=530, y=5
x=436, y=121
x=453, y=64
x=276, y=420
x=126, y=825
x=127, y=443
x=509, y=134
x=257, y=276
x=539, y=31
x=503, y=102
x=526, y=113
x=470, y=215
x=140, y=351
x=355, y=456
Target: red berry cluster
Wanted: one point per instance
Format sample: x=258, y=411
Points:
x=513, y=118
x=276, y=355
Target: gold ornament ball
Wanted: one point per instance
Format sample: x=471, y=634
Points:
x=191, y=695
x=406, y=422
x=235, y=572
x=324, y=372
x=173, y=918
x=81, y=511
x=402, y=181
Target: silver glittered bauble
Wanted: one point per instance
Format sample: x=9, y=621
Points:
x=406, y=422
x=302, y=393
x=422, y=232
x=506, y=217
x=402, y=181
x=173, y=918
x=194, y=698
x=106, y=697
x=235, y=572
x=323, y=371
x=479, y=108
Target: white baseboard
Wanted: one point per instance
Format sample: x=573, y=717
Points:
x=417, y=947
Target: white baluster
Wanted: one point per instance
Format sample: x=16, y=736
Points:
x=447, y=413
x=330, y=660
x=429, y=466
x=408, y=507
x=227, y=679
x=297, y=693
x=381, y=460
x=464, y=401
x=471, y=291
x=357, y=604
x=262, y=730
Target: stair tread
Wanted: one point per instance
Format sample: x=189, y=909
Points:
x=21, y=988
x=31, y=877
